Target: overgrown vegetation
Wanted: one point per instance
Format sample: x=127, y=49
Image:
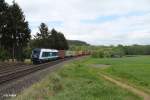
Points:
x=76, y=81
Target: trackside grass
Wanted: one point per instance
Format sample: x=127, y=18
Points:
x=76, y=81
x=134, y=70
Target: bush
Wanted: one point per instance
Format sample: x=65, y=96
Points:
x=97, y=54
x=27, y=52
x=4, y=55
x=108, y=53
x=101, y=54
x=57, y=85
x=118, y=53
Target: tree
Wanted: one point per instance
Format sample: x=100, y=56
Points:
x=19, y=32
x=3, y=22
x=42, y=38
x=63, y=44
x=3, y=30
x=52, y=39
x=44, y=32
x=58, y=40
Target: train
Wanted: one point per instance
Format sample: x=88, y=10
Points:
x=42, y=55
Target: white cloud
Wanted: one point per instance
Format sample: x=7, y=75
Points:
x=125, y=29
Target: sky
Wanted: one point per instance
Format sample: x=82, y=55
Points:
x=97, y=22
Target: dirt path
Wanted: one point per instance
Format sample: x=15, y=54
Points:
x=130, y=88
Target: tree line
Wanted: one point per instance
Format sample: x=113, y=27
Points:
x=120, y=51
x=14, y=31
x=15, y=34
x=49, y=39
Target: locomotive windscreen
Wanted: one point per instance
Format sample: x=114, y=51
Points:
x=36, y=53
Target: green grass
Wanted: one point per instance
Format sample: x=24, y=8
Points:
x=76, y=81
x=134, y=70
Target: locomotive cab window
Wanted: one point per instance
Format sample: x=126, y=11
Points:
x=54, y=54
x=46, y=54
x=35, y=53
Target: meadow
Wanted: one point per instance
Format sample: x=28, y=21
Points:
x=132, y=70
x=79, y=80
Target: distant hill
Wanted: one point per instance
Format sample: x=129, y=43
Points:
x=77, y=43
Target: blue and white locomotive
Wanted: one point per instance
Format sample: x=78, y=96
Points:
x=43, y=55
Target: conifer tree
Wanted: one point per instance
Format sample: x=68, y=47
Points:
x=44, y=32
x=52, y=39
x=3, y=22
x=18, y=30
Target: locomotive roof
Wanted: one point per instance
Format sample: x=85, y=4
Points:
x=46, y=50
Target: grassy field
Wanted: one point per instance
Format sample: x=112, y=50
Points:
x=77, y=81
x=134, y=70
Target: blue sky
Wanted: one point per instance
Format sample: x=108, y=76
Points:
x=98, y=22
x=107, y=18
x=100, y=19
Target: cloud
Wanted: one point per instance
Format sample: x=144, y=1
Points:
x=94, y=21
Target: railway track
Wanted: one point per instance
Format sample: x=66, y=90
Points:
x=11, y=68
x=9, y=74
x=10, y=65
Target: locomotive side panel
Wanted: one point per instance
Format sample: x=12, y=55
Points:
x=44, y=55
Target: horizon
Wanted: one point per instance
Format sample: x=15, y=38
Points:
x=96, y=22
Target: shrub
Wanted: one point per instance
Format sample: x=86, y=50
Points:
x=101, y=54
x=108, y=53
x=3, y=55
x=118, y=53
x=57, y=85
